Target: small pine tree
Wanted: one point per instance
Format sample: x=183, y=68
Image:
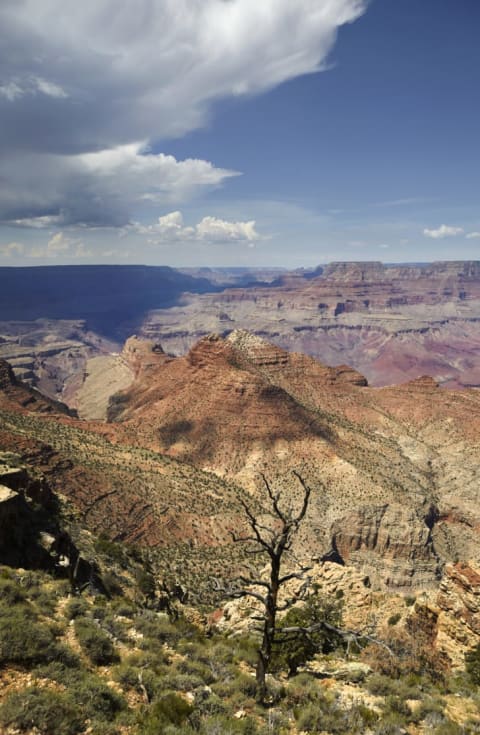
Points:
x=293, y=650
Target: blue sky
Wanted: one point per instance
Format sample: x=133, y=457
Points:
x=320, y=130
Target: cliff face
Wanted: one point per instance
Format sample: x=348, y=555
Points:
x=392, y=543
x=392, y=324
x=14, y=393
x=391, y=493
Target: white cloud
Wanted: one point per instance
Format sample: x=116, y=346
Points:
x=61, y=245
x=473, y=236
x=171, y=228
x=218, y=230
x=49, y=88
x=133, y=172
x=101, y=75
x=101, y=188
x=11, y=249
x=443, y=231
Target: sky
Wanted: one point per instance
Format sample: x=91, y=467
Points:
x=239, y=133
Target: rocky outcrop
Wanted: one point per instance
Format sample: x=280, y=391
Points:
x=392, y=543
x=17, y=393
x=458, y=603
x=7, y=377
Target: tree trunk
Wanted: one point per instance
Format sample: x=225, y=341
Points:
x=265, y=652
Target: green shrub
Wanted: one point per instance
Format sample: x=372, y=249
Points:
x=111, y=549
x=112, y=584
x=57, y=671
x=26, y=642
x=170, y=709
x=49, y=712
x=224, y=725
x=146, y=583
x=94, y=642
x=131, y=677
x=75, y=608
x=97, y=700
x=394, y=619
x=10, y=592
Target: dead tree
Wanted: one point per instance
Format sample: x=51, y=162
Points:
x=273, y=538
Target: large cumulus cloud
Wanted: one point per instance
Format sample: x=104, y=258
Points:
x=80, y=79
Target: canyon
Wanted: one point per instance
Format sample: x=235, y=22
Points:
x=159, y=450
x=392, y=323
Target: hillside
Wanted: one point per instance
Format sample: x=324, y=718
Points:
x=147, y=502
x=394, y=470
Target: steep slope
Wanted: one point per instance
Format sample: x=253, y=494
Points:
x=377, y=459
x=15, y=393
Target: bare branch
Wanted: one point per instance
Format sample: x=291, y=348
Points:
x=294, y=575
x=274, y=498
x=353, y=635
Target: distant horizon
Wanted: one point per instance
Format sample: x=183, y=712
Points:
x=241, y=267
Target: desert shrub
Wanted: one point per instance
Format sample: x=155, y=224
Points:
x=389, y=728
x=150, y=660
x=302, y=690
x=95, y=642
x=157, y=627
x=24, y=641
x=245, y=684
x=169, y=709
x=145, y=583
x=76, y=607
x=97, y=700
x=112, y=584
x=47, y=711
x=397, y=705
x=320, y=717
x=111, y=549
x=57, y=671
x=211, y=706
x=394, y=619
x=410, y=653
x=116, y=627
x=245, y=648
x=224, y=725
x=182, y=682
x=203, y=672
x=131, y=677
x=10, y=592
x=123, y=607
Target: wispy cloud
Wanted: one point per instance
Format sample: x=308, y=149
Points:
x=406, y=202
x=473, y=236
x=443, y=231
